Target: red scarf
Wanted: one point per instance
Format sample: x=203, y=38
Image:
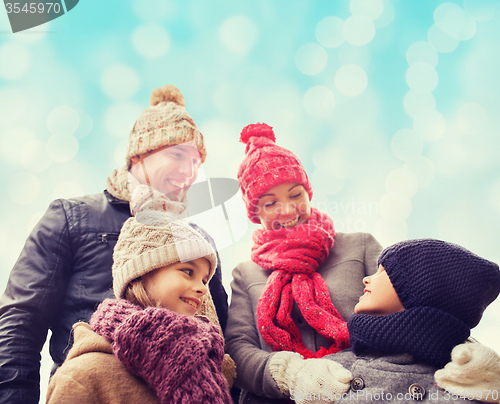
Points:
x=294, y=255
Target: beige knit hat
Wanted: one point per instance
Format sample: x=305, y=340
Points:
x=153, y=240
x=164, y=123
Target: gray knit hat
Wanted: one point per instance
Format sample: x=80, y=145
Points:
x=153, y=240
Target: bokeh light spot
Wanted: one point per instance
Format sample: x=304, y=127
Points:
x=422, y=77
x=62, y=148
x=151, y=41
x=415, y=102
x=12, y=143
x=119, y=119
x=359, y=30
x=403, y=181
x=63, y=120
x=351, y=80
x=329, y=32
x=34, y=157
x=86, y=125
x=390, y=230
x=407, y=144
x=481, y=10
x=395, y=205
x=430, y=124
x=472, y=118
x=120, y=152
x=441, y=40
x=369, y=8
x=15, y=59
x=311, y=59
x=238, y=34
x=355, y=55
x=422, y=51
x=331, y=159
x=326, y=182
x=319, y=102
x=387, y=16
x=495, y=197
x=154, y=10
x=456, y=22
x=67, y=189
x=120, y=82
x=423, y=170
x=24, y=188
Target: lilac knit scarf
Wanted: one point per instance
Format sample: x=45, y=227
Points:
x=179, y=357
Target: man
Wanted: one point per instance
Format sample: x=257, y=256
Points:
x=64, y=270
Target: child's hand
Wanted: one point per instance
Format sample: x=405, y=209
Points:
x=300, y=379
x=475, y=370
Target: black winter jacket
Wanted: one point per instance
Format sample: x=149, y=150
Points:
x=62, y=274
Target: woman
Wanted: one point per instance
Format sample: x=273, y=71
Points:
x=304, y=279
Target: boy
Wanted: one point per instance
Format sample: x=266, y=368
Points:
x=424, y=299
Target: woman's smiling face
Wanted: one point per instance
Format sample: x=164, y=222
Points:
x=283, y=206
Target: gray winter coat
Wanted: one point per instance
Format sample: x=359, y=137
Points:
x=352, y=257
x=394, y=378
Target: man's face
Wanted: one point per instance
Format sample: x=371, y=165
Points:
x=170, y=170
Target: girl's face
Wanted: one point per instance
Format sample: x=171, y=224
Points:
x=179, y=287
x=379, y=297
x=283, y=206
x=170, y=170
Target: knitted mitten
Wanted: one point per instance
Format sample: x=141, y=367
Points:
x=301, y=378
x=229, y=370
x=179, y=357
x=475, y=370
x=109, y=315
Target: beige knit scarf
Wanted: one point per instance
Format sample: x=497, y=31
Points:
x=124, y=186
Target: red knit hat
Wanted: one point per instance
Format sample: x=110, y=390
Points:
x=266, y=165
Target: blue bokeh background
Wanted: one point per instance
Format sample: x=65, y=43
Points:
x=391, y=105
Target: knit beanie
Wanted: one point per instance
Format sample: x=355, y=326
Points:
x=265, y=166
x=444, y=289
x=441, y=275
x=153, y=240
x=164, y=123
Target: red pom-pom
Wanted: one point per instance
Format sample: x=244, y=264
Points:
x=257, y=130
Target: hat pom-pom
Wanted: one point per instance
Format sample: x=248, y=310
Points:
x=168, y=93
x=262, y=130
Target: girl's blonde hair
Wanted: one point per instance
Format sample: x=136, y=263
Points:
x=136, y=293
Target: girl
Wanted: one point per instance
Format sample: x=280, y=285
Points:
x=148, y=346
x=304, y=279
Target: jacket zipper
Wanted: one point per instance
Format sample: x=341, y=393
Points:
x=105, y=237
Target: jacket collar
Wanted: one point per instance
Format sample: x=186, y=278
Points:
x=113, y=200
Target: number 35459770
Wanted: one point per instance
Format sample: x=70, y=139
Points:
x=33, y=8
